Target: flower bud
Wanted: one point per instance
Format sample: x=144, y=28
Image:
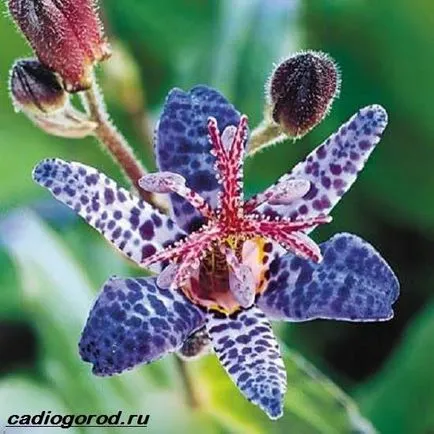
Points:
x=66, y=36
x=38, y=93
x=35, y=88
x=301, y=91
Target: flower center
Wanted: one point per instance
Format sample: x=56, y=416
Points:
x=223, y=264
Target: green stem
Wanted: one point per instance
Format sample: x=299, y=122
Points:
x=263, y=135
x=192, y=398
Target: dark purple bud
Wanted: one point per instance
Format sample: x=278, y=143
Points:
x=35, y=88
x=301, y=91
x=66, y=36
x=37, y=92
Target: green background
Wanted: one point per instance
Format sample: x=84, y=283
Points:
x=51, y=264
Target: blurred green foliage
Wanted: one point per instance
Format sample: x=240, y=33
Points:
x=52, y=264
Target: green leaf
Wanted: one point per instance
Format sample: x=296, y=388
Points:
x=313, y=403
x=404, y=387
x=21, y=395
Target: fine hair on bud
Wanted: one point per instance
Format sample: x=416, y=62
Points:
x=35, y=88
x=301, y=90
x=65, y=35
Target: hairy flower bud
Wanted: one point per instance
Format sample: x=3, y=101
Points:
x=37, y=92
x=35, y=88
x=66, y=36
x=301, y=90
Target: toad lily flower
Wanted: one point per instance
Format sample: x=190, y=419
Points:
x=225, y=263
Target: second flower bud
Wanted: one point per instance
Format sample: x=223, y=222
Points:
x=301, y=91
x=38, y=93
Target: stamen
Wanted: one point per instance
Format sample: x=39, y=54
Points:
x=299, y=244
x=305, y=247
x=241, y=280
x=167, y=276
x=169, y=182
x=228, y=137
x=161, y=182
x=290, y=234
x=288, y=191
x=267, y=225
x=186, y=254
x=282, y=193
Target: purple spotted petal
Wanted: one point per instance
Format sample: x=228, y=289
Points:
x=333, y=167
x=132, y=225
x=247, y=349
x=133, y=321
x=182, y=145
x=353, y=283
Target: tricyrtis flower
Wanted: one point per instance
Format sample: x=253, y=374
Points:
x=225, y=263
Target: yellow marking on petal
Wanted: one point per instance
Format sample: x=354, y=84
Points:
x=253, y=256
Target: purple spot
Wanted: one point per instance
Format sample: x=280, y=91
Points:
x=338, y=183
x=121, y=196
x=268, y=247
x=321, y=152
x=325, y=202
x=364, y=145
x=335, y=169
x=317, y=205
x=157, y=220
x=117, y=233
x=69, y=191
x=95, y=205
x=91, y=179
x=147, y=230
x=303, y=209
x=109, y=196
x=326, y=182
x=350, y=168
x=354, y=156
x=353, y=126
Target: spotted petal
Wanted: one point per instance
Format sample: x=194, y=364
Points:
x=333, y=167
x=353, y=283
x=132, y=225
x=182, y=145
x=134, y=321
x=247, y=349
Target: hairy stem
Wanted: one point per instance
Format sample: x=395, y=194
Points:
x=192, y=399
x=263, y=135
x=113, y=141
